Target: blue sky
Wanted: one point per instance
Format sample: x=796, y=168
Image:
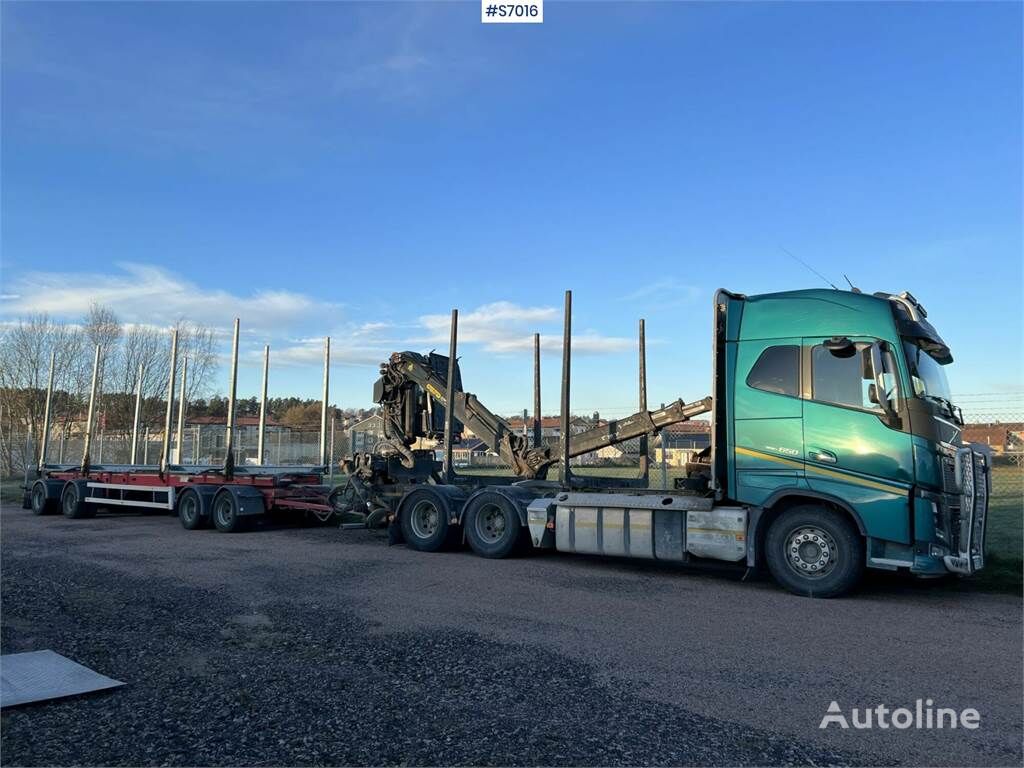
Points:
x=360, y=169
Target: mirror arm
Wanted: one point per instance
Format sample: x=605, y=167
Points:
x=891, y=416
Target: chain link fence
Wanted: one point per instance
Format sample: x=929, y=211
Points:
x=996, y=421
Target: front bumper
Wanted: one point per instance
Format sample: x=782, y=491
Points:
x=967, y=523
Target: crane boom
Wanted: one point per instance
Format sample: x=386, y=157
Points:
x=411, y=392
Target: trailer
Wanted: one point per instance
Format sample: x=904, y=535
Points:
x=834, y=448
x=226, y=497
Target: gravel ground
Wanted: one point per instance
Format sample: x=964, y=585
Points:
x=316, y=646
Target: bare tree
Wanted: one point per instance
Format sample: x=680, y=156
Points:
x=25, y=349
x=24, y=367
x=102, y=327
x=199, y=344
x=150, y=347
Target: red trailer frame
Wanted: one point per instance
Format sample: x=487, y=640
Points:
x=227, y=503
x=226, y=496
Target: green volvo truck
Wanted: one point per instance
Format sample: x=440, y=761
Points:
x=835, y=447
x=839, y=436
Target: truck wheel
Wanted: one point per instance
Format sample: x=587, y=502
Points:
x=492, y=525
x=425, y=521
x=72, y=504
x=190, y=508
x=40, y=504
x=815, y=551
x=225, y=513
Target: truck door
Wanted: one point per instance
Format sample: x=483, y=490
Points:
x=767, y=412
x=850, y=451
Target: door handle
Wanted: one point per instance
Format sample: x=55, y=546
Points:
x=826, y=457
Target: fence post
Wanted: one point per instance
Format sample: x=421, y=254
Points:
x=334, y=420
x=664, y=464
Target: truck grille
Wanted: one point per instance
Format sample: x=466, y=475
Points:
x=968, y=522
x=949, y=484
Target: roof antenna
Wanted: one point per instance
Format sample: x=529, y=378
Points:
x=853, y=287
x=801, y=261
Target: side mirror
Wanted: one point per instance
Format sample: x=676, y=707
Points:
x=876, y=390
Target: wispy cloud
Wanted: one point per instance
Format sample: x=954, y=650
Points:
x=501, y=328
x=147, y=295
x=141, y=293
x=505, y=327
x=668, y=292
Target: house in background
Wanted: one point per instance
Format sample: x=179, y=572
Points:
x=472, y=452
x=362, y=436
x=550, y=428
x=681, y=442
x=1000, y=436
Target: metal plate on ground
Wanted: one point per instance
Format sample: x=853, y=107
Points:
x=43, y=675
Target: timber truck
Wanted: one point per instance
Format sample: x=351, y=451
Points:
x=834, y=447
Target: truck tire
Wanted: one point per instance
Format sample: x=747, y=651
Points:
x=225, y=513
x=492, y=525
x=72, y=504
x=40, y=504
x=425, y=520
x=190, y=510
x=815, y=551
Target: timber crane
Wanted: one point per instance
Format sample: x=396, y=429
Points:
x=411, y=394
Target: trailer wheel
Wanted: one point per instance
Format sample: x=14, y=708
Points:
x=425, y=521
x=225, y=513
x=41, y=505
x=72, y=504
x=492, y=525
x=815, y=551
x=190, y=508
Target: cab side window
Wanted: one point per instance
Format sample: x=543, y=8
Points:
x=777, y=370
x=842, y=377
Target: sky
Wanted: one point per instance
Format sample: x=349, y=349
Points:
x=359, y=170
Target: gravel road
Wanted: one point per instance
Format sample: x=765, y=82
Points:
x=304, y=646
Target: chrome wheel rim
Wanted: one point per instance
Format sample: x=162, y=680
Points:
x=425, y=519
x=491, y=523
x=811, y=552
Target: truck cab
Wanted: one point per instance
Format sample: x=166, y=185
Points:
x=834, y=426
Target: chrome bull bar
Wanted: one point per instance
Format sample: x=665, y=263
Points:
x=972, y=476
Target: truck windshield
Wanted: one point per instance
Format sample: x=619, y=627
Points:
x=927, y=375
